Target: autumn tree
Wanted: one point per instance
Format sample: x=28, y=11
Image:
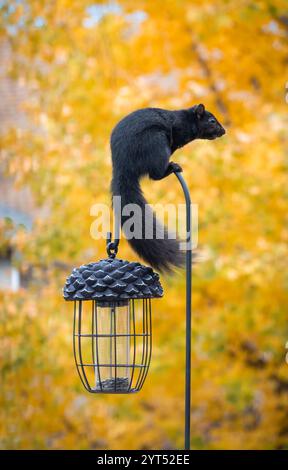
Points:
x=83, y=66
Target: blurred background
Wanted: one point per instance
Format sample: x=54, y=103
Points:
x=69, y=70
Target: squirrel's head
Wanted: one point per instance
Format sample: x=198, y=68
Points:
x=207, y=125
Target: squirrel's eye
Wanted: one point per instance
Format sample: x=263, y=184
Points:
x=212, y=121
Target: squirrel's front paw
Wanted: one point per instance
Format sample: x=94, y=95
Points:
x=175, y=168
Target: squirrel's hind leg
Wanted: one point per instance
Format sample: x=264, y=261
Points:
x=158, y=154
x=172, y=167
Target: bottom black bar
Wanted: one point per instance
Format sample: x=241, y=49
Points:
x=133, y=458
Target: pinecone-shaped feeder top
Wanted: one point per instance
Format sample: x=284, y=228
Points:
x=112, y=280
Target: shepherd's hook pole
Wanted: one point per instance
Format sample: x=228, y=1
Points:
x=188, y=308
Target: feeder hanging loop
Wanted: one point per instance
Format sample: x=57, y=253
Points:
x=111, y=247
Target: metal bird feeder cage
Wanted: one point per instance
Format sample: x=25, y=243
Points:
x=112, y=333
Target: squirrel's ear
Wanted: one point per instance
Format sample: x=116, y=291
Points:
x=200, y=110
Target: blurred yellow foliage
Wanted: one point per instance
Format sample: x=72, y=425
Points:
x=85, y=65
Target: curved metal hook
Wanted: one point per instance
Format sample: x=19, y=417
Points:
x=188, y=308
x=111, y=247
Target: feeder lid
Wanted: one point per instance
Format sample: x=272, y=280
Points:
x=112, y=280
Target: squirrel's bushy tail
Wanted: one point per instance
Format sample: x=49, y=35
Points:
x=163, y=253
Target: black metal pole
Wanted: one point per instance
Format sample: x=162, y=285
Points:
x=188, y=309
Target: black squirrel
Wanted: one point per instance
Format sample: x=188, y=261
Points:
x=142, y=144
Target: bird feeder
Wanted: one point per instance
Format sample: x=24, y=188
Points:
x=112, y=333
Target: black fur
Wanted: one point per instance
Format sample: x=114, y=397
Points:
x=142, y=144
